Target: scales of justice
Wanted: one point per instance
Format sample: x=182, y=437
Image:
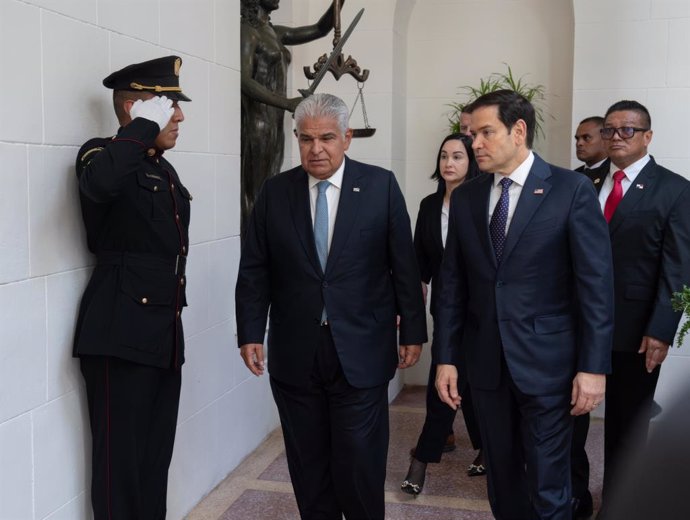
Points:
x=338, y=65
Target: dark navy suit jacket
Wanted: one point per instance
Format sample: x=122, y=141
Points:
x=371, y=276
x=548, y=306
x=650, y=241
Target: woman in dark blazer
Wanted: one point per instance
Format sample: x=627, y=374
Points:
x=455, y=164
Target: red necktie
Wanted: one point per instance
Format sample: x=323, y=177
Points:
x=615, y=196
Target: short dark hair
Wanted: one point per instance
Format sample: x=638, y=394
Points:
x=633, y=106
x=598, y=120
x=472, y=168
x=511, y=108
x=119, y=98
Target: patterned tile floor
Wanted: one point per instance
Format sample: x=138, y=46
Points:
x=259, y=488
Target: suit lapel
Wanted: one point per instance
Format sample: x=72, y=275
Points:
x=436, y=232
x=350, y=195
x=639, y=188
x=598, y=175
x=301, y=216
x=480, y=213
x=535, y=190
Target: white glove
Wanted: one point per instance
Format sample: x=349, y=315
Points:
x=158, y=109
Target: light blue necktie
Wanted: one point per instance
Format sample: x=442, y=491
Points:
x=321, y=230
x=321, y=223
x=499, y=219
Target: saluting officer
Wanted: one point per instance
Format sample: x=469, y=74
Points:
x=129, y=334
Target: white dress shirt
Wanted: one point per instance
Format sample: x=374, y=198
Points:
x=631, y=172
x=518, y=176
x=332, y=196
x=445, y=210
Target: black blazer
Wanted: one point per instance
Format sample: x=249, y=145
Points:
x=650, y=240
x=548, y=306
x=428, y=242
x=136, y=214
x=596, y=175
x=371, y=275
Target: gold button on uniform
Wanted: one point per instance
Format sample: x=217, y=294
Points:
x=151, y=152
x=144, y=300
x=182, y=281
x=184, y=250
x=155, y=188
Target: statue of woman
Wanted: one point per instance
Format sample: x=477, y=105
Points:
x=265, y=60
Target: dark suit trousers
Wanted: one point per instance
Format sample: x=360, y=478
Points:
x=336, y=441
x=438, y=423
x=526, y=441
x=579, y=461
x=133, y=416
x=629, y=397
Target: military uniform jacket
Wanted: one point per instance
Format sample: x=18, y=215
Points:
x=136, y=214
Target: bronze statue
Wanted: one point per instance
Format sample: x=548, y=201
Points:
x=265, y=60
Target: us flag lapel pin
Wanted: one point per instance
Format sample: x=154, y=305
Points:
x=539, y=191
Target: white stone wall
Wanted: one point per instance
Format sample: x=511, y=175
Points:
x=638, y=49
x=53, y=56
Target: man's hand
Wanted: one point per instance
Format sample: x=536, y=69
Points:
x=409, y=355
x=158, y=109
x=447, y=385
x=588, y=392
x=425, y=291
x=656, y=351
x=253, y=356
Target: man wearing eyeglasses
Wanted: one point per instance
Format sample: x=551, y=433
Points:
x=648, y=210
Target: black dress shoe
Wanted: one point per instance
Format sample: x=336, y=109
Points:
x=477, y=468
x=582, y=507
x=449, y=444
x=414, y=481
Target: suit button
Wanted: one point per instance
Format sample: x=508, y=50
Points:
x=500, y=284
x=177, y=314
x=155, y=188
x=177, y=217
x=182, y=281
x=144, y=300
x=324, y=284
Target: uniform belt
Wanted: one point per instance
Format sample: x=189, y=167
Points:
x=177, y=265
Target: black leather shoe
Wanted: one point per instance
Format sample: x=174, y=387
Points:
x=582, y=507
x=449, y=444
x=477, y=468
x=414, y=481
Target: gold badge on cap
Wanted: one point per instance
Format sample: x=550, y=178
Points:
x=178, y=64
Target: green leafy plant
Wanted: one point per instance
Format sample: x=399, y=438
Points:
x=535, y=94
x=681, y=302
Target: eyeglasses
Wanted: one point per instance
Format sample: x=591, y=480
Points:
x=625, y=132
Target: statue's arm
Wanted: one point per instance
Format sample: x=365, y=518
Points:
x=252, y=88
x=307, y=33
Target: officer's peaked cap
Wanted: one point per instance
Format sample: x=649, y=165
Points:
x=160, y=76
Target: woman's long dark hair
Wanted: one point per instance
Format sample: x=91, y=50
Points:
x=472, y=167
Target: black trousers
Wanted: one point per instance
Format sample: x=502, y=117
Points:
x=438, y=423
x=133, y=416
x=579, y=460
x=629, y=397
x=336, y=441
x=526, y=441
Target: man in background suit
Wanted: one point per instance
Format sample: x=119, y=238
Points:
x=526, y=292
x=591, y=149
x=329, y=249
x=649, y=224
